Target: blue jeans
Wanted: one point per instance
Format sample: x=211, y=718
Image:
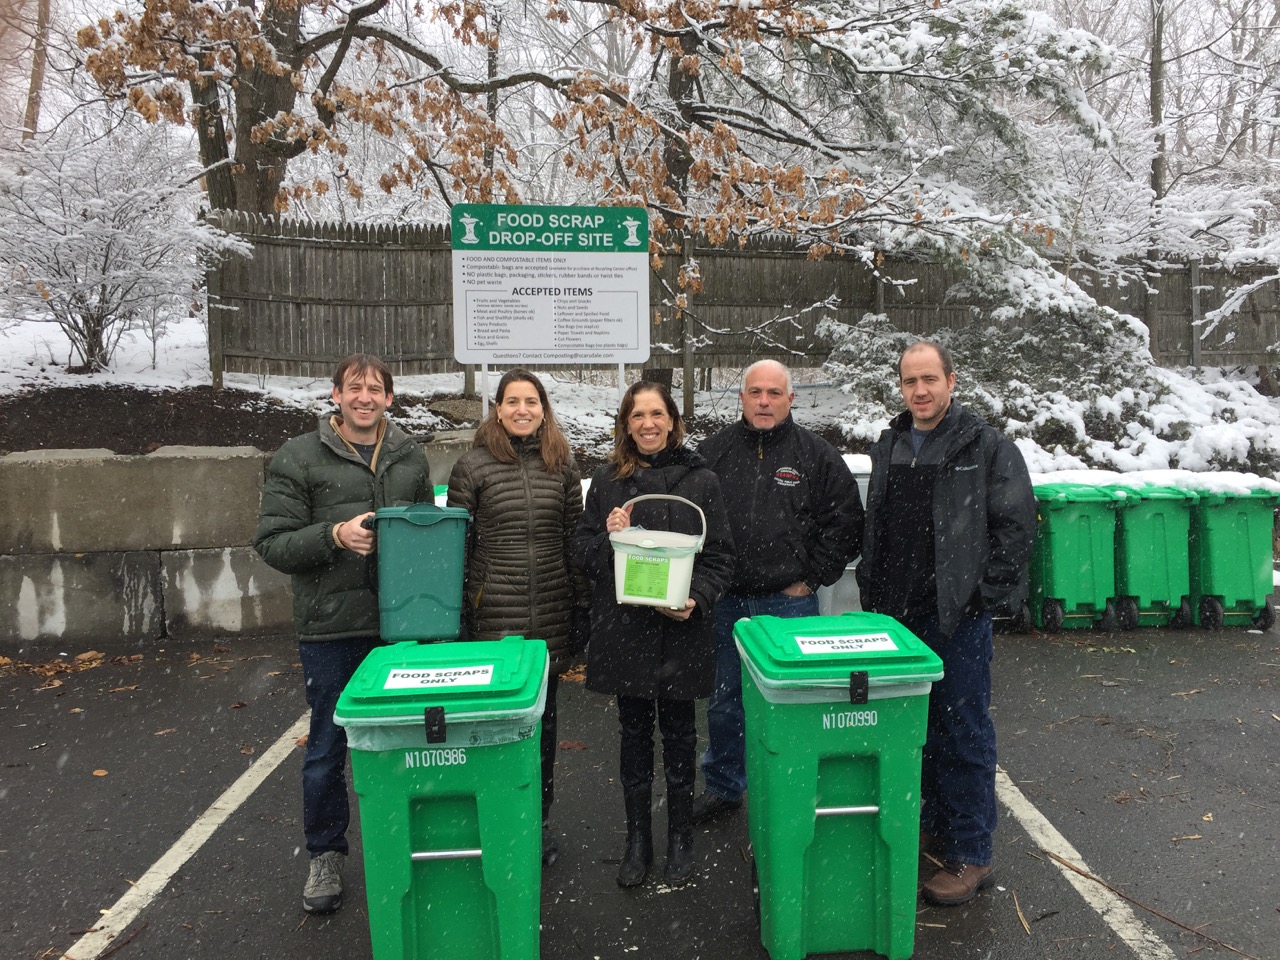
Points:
x=326, y=667
x=958, y=773
x=724, y=765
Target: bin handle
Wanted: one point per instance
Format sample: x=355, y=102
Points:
x=472, y=853
x=669, y=496
x=871, y=809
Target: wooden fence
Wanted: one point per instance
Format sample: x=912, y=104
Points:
x=314, y=293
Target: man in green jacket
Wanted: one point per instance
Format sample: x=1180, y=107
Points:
x=321, y=487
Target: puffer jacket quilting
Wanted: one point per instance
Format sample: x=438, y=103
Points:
x=518, y=579
x=313, y=482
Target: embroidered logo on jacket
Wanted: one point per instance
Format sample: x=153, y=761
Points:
x=786, y=477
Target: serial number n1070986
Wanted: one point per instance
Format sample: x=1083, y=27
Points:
x=437, y=757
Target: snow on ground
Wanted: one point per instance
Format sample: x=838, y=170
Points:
x=1218, y=413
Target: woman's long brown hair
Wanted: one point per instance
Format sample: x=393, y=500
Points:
x=493, y=436
x=626, y=455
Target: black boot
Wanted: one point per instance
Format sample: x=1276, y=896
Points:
x=639, y=853
x=679, y=834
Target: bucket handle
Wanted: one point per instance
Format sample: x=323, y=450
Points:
x=670, y=496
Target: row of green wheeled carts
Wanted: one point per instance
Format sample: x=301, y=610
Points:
x=1119, y=557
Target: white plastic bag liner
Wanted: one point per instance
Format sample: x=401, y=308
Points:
x=653, y=568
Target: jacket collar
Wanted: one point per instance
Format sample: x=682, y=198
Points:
x=391, y=441
x=956, y=429
x=766, y=436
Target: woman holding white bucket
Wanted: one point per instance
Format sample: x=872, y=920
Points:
x=652, y=648
x=524, y=494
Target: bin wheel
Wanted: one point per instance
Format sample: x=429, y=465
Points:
x=1182, y=619
x=1052, y=615
x=1109, y=621
x=1211, y=613
x=1266, y=616
x=1020, y=622
x=1127, y=613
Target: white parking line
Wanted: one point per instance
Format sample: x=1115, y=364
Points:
x=149, y=885
x=1113, y=910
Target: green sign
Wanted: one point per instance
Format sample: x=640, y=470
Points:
x=492, y=226
x=542, y=284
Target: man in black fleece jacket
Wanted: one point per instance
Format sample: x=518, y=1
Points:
x=950, y=525
x=796, y=518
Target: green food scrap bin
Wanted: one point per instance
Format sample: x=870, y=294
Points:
x=837, y=711
x=445, y=759
x=1153, y=578
x=421, y=553
x=1073, y=563
x=1232, y=558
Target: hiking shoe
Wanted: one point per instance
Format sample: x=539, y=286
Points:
x=323, y=890
x=708, y=806
x=956, y=883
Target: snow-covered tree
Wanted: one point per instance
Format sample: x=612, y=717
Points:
x=99, y=234
x=859, y=126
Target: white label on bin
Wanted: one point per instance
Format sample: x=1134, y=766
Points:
x=857, y=643
x=433, y=678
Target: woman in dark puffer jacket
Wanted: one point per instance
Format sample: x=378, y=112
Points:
x=655, y=660
x=524, y=493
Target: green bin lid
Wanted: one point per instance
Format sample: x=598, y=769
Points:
x=1075, y=493
x=421, y=514
x=1152, y=492
x=1215, y=497
x=801, y=652
x=470, y=680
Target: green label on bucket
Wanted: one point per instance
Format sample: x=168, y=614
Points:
x=646, y=577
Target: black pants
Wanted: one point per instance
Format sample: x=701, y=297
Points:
x=679, y=741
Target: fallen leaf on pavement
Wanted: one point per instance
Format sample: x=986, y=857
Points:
x=99, y=773
x=248, y=751
x=237, y=705
x=132, y=686
x=49, y=684
x=1188, y=693
x=1208, y=818
x=165, y=732
x=301, y=741
x=1190, y=836
x=572, y=745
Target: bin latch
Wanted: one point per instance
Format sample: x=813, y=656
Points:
x=858, y=686
x=433, y=718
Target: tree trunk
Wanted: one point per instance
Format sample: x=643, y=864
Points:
x=260, y=96
x=219, y=185
x=39, y=58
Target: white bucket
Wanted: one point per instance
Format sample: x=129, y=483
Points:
x=653, y=568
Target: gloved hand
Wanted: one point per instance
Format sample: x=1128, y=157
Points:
x=579, y=630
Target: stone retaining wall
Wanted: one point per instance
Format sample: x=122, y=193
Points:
x=96, y=547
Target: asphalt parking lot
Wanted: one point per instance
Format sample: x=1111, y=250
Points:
x=1149, y=760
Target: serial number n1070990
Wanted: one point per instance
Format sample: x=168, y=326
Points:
x=843, y=719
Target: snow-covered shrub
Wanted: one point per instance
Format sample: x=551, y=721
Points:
x=97, y=235
x=1074, y=388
